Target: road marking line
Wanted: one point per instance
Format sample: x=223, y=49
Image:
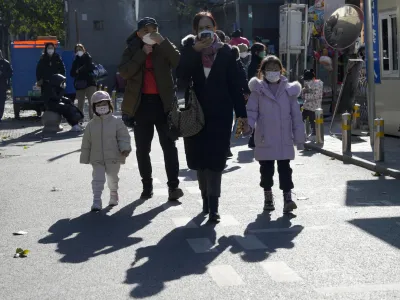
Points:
x=201, y=245
x=362, y=288
x=194, y=190
x=156, y=181
x=170, y=206
x=160, y=192
x=279, y=271
x=250, y=242
x=184, y=222
x=296, y=228
x=225, y=275
x=228, y=220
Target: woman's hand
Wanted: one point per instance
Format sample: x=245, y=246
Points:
x=246, y=128
x=203, y=44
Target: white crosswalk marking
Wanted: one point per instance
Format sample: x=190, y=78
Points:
x=184, y=222
x=170, y=206
x=156, y=181
x=201, y=245
x=160, y=192
x=225, y=275
x=194, y=190
x=279, y=271
x=250, y=242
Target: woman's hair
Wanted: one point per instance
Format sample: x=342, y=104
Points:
x=79, y=46
x=257, y=47
x=201, y=15
x=237, y=34
x=270, y=59
x=236, y=51
x=221, y=35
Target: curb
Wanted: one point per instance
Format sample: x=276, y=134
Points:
x=375, y=167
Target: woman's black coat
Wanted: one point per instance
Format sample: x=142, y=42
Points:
x=254, y=66
x=219, y=95
x=85, y=66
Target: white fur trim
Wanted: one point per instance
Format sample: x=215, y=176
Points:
x=254, y=84
x=186, y=39
x=294, y=88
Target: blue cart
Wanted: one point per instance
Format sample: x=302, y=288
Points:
x=24, y=58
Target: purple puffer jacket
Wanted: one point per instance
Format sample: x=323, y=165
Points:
x=277, y=119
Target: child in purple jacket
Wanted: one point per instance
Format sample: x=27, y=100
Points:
x=274, y=113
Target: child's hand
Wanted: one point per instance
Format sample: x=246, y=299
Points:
x=125, y=153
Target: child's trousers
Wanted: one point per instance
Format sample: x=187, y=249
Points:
x=100, y=172
x=267, y=170
x=311, y=117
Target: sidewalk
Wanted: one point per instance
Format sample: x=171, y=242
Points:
x=362, y=152
x=29, y=127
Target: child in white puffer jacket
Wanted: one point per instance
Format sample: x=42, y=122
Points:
x=105, y=145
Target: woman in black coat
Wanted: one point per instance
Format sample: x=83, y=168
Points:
x=85, y=83
x=211, y=66
x=50, y=63
x=258, y=52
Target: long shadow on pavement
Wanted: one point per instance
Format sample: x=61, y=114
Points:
x=273, y=235
x=94, y=234
x=172, y=259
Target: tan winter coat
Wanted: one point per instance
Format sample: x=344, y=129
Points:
x=104, y=139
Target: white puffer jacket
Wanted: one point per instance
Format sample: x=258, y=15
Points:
x=104, y=139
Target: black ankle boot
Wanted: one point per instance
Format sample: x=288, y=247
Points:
x=213, y=204
x=206, y=208
x=147, y=190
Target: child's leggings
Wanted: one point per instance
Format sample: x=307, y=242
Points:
x=267, y=170
x=100, y=172
x=311, y=117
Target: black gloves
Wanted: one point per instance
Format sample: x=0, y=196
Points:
x=129, y=121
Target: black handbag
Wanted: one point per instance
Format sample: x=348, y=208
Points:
x=80, y=84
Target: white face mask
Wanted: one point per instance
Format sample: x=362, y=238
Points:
x=272, y=76
x=79, y=53
x=244, y=54
x=208, y=33
x=147, y=40
x=102, y=110
x=50, y=51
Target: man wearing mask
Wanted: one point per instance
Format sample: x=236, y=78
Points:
x=6, y=73
x=147, y=64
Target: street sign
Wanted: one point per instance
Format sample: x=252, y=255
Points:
x=375, y=41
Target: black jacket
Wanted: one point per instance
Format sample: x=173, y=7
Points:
x=218, y=95
x=85, y=66
x=254, y=66
x=48, y=66
x=6, y=73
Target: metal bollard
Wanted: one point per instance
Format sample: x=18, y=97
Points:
x=308, y=126
x=356, y=116
x=114, y=99
x=379, y=138
x=346, y=133
x=319, y=126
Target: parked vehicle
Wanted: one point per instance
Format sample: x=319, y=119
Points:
x=24, y=58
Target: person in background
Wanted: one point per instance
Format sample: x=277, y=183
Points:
x=312, y=95
x=258, y=52
x=275, y=115
x=244, y=84
x=106, y=144
x=237, y=39
x=245, y=56
x=147, y=64
x=211, y=66
x=82, y=72
x=257, y=39
x=221, y=35
x=50, y=63
x=6, y=72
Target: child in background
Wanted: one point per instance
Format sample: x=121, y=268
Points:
x=274, y=113
x=105, y=145
x=312, y=96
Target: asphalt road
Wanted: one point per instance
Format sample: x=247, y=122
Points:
x=343, y=244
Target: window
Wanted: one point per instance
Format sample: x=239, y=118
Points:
x=389, y=44
x=98, y=25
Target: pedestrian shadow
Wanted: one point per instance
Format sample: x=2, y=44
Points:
x=273, y=235
x=62, y=155
x=230, y=169
x=94, y=234
x=246, y=156
x=188, y=174
x=172, y=258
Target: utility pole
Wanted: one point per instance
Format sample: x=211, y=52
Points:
x=370, y=66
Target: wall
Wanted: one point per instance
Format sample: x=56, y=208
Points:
x=387, y=94
x=107, y=45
